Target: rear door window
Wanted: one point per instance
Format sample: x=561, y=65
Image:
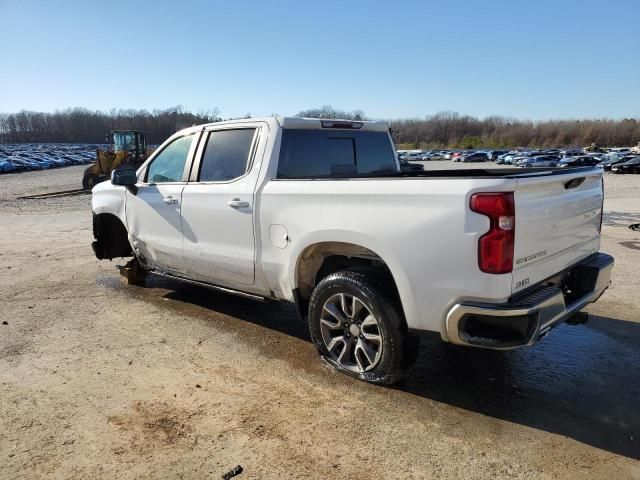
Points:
x=334, y=153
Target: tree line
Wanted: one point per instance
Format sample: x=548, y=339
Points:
x=79, y=125
x=441, y=130
x=453, y=130
x=449, y=129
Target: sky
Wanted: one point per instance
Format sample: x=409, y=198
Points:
x=396, y=59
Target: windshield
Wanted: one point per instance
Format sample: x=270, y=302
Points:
x=124, y=141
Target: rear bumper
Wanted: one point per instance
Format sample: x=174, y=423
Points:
x=526, y=318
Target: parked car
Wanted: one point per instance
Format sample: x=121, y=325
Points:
x=24, y=163
x=406, y=166
x=494, y=154
x=541, y=161
x=607, y=164
x=43, y=161
x=518, y=157
x=475, y=157
x=434, y=155
x=237, y=206
x=582, y=161
x=6, y=166
x=506, y=158
x=630, y=166
x=571, y=153
x=457, y=156
x=413, y=156
x=622, y=150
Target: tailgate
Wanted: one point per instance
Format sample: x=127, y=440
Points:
x=557, y=223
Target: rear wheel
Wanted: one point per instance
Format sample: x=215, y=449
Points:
x=358, y=328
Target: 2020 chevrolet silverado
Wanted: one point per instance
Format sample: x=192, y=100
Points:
x=318, y=212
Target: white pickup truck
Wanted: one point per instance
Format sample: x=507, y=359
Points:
x=317, y=212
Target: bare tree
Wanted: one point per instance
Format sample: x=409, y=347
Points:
x=443, y=129
x=327, y=111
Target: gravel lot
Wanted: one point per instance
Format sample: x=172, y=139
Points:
x=103, y=380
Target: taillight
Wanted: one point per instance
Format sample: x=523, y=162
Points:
x=495, y=248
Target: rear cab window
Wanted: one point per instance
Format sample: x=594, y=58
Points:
x=334, y=154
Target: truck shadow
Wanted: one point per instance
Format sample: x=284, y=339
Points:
x=581, y=382
x=619, y=219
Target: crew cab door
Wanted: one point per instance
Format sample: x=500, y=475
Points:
x=153, y=212
x=218, y=206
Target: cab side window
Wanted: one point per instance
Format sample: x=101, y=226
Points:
x=168, y=166
x=226, y=155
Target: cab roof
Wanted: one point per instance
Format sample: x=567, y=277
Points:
x=308, y=123
x=319, y=123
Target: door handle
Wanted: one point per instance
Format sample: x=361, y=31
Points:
x=237, y=203
x=170, y=200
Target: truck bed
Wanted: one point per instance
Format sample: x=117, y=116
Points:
x=471, y=173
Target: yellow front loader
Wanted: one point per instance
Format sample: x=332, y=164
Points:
x=129, y=150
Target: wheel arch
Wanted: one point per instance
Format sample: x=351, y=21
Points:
x=323, y=256
x=111, y=237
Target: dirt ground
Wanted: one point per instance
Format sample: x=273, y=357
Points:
x=103, y=380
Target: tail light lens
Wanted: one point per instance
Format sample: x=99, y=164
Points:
x=495, y=248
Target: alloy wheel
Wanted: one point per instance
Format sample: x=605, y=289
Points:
x=351, y=333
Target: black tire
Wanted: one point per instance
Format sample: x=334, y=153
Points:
x=90, y=179
x=552, y=165
x=398, y=348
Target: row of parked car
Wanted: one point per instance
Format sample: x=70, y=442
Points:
x=26, y=157
x=617, y=160
x=455, y=155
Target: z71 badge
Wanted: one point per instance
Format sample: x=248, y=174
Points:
x=522, y=283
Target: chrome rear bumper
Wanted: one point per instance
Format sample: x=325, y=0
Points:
x=526, y=318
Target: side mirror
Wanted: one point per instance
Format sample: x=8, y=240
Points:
x=126, y=177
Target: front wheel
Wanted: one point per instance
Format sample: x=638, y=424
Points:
x=358, y=328
x=90, y=179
